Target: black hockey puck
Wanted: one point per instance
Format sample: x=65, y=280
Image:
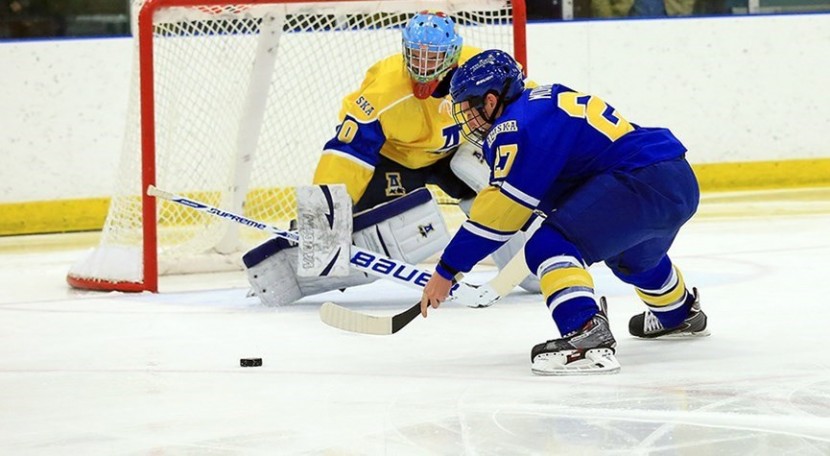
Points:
x=250, y=362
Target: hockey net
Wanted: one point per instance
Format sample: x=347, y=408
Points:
x=231, y=104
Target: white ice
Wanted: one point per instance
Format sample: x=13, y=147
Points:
x=158, y=374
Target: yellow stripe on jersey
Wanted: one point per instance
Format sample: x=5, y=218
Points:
x=561, y=278
x=494, y=210
x=336, y=169
x=670, y=297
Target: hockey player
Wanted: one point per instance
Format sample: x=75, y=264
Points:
x=396, y=132
x=612, y=191
x=396, y=135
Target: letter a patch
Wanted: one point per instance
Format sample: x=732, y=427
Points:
x=393, y=185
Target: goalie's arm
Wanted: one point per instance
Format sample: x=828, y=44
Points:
x=351, y=156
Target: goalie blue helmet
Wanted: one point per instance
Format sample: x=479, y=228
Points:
x=431, y=47
x=490, y=72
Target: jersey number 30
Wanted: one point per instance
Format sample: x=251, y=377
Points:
x=596, y=112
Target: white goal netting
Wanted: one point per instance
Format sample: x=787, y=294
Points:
x=245, y=96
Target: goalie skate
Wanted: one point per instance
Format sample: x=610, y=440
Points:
x=647, y=326
x=588, y=350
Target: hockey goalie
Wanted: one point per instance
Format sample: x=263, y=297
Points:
x=396, y=135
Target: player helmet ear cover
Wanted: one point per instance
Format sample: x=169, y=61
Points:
x=490, y=72
x=431, y=47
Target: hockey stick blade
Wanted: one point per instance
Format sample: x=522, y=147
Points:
x=357, y=322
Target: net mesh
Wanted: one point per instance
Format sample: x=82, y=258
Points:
x=207, y=59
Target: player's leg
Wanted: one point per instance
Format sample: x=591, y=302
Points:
x=586, y=345
x=631, y=227
x=605, y=216
x=466, y=170
x=673, y=310
x=410, y=228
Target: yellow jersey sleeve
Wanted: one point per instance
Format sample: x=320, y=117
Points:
x=495, y=211
x=384, y=118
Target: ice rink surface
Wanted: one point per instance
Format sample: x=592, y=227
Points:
x=86, y=373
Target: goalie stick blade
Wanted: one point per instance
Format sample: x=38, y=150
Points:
x=357, y=322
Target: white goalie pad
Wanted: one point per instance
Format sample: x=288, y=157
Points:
x=468, y=164
x=410, y=228
x=272, y=273
x=324, y=223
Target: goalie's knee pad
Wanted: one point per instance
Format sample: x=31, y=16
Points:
x=272, y=273
x=410, y=228
x=468, y=164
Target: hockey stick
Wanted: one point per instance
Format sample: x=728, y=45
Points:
x=362, y=260
x=340, y=317
x=476, y=296
x=349, y=320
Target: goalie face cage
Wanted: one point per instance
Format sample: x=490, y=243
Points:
x=231, y=104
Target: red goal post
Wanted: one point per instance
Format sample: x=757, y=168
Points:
x=231, y=104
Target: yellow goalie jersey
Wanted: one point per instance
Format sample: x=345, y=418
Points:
x=383, y=117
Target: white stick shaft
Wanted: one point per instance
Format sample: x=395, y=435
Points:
x=362, y=260
x=511, y=275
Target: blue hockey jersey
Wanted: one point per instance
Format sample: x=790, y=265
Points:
x=548, y=142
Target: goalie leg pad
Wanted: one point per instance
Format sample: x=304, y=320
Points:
x=324, y=223
x=272, y=272
x=410, y=228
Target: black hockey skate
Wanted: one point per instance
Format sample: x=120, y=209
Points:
x=647, y=326
x=588, y=350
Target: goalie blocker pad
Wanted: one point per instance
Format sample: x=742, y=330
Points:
x=324, y=224
x=409, y=228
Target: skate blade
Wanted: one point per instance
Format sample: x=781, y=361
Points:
x=685, y=335
x=597, y=361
